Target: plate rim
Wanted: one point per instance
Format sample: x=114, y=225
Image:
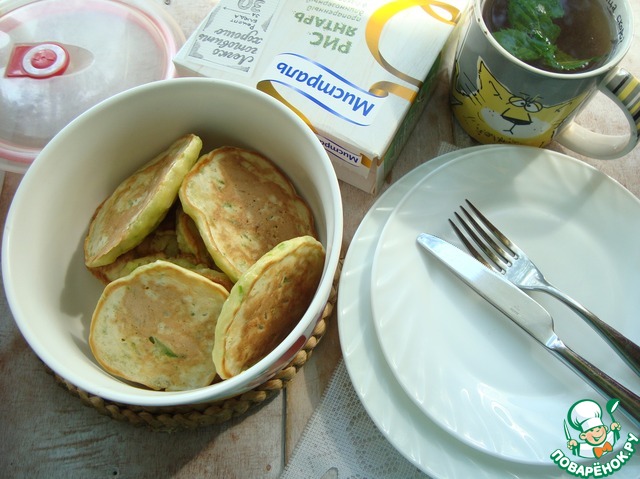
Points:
x=360, y=351
x=526, y=156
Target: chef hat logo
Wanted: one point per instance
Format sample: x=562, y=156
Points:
x=585, y=415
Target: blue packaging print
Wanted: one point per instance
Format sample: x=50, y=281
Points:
x=352, y=69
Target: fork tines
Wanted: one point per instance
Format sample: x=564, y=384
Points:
x=498, y=250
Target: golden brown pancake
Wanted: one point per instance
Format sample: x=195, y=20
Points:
x=156, y=327
x=139, y=203
x=124, y=265
x=189, y=240
x=164, y=243
x=191, y=263
x=128, y=262
x=243, y=206
x=266, y=303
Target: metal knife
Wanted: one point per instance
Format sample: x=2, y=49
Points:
x=529, y=315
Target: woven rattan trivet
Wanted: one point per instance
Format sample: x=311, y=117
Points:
x=171, y=418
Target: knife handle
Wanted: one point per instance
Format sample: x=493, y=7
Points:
x=602, y=382
x=626, y=349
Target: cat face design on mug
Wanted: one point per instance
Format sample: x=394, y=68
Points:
x=490, y=112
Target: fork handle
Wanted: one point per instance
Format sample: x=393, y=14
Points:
x=602, y=382
x=624, y=347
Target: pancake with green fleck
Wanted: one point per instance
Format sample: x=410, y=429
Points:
x=266, y=303
x=189, y=240
x=243, y=205
x=161, y=243
x=191, y=263
x=139, y=203
x=164, y=243
x=128, y=262
x=156, y=327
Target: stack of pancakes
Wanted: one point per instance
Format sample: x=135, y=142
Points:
x=209, y=261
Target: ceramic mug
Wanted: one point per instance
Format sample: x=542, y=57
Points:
x=498, y=98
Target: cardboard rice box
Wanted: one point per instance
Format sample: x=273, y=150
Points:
x=358, y=72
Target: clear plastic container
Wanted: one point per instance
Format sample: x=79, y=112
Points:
x=60, y=57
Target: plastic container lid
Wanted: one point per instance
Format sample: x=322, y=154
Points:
x=60, y=57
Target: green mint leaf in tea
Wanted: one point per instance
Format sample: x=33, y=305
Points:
x=562, y=61
x=556, y=35
x=535, y=17
x=522, y=45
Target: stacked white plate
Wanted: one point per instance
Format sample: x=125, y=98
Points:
x=453, y=384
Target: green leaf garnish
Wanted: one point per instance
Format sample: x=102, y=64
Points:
x=162, y=348
x=562, y=61
x=536, y=18
x=533, y=34
x=521, y=45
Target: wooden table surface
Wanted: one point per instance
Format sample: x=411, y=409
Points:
x=46, y=432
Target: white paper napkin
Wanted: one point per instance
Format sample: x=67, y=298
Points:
x=341, y=441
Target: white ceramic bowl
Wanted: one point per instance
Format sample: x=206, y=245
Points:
x=49, y=290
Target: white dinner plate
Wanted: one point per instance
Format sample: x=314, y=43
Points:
x=419, y=439
x=467, y=367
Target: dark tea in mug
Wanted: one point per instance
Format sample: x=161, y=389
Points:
x=563, y=36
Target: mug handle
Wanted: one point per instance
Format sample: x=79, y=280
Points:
x=624, y=89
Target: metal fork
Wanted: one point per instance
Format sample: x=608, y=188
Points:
x=504, y=256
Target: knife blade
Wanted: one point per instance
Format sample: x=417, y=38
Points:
x=507, y=298
x=529, y=315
